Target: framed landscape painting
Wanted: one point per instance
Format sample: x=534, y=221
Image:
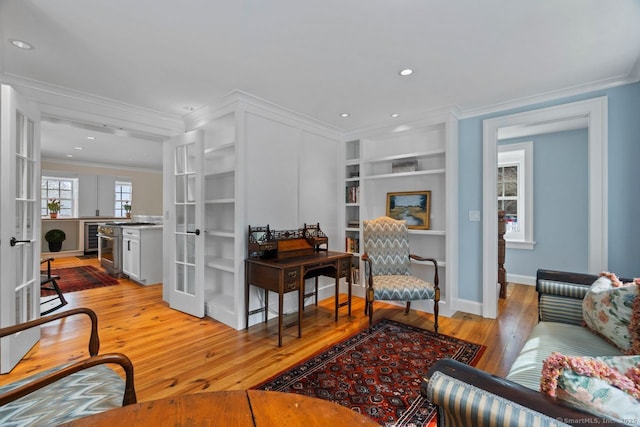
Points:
x=414, y=207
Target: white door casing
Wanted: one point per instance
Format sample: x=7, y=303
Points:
x=596, y=113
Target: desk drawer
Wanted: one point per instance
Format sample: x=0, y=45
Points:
x=291, y=279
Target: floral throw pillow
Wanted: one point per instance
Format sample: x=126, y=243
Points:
x=604, y=386
x=607, y=309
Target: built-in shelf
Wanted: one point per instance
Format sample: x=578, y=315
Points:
x=417, y=155
x=429, y=232
x=220, y=201
x=220, y=173
x=215, y=151
x=406, y=174
x=220, y=233
x=383, y=163
x=221, y=264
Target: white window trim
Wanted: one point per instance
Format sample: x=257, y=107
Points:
x=76, y=185
x=521, y=154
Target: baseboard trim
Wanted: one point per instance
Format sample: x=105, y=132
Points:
x=525, y=280
x=467, y=306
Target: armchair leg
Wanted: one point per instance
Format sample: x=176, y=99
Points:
x=406, y=310
x=435, y=314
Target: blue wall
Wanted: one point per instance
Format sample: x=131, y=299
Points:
x=623, y=187
x=560, y=203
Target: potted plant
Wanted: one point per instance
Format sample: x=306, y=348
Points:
x=54, y=207
x=127, y=208
x=55, y=238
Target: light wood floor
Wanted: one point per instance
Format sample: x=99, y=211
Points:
x=174, y=353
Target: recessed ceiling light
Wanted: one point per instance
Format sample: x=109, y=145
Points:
x=69, y=155
x=394, y=115
x=91, y=137
x=406, y=72
x=344, y=115
x=78, y=148
x=21, y=44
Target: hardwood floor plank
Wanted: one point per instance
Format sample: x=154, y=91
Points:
x=174, y=353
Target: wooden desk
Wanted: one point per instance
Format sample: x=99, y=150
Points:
x=230, y=409
x=287, y=273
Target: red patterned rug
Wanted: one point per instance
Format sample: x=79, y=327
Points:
x=74, y=279
x=377, y=372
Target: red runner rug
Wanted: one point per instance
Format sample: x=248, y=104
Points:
x=74, y=279
x=377, y=372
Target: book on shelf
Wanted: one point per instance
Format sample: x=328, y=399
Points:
x=354, y=223
x=352, y=194
x=352, y=245
x=355, y=275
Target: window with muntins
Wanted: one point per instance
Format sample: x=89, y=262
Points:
x=515, y=193
x=63, y=189
x=123, y=197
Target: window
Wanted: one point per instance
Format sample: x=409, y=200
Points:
x=63, y=189
x=515, y=193
x=123, y=196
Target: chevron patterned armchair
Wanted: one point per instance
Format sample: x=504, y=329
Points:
x=388, y=267
x=65, y=393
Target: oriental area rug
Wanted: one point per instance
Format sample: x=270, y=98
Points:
x=73, y=279
x=377, y=372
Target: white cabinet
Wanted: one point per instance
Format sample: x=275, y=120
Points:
x=142, y=254
x=96, y=195
x=369, y=175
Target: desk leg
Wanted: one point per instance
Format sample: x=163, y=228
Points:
x=265, y=292
x=246, y=296
x=349, y=287
x=337, y=292
x=300, y=303
x=281, y=303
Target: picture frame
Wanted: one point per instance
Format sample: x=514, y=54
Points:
x=414, y=207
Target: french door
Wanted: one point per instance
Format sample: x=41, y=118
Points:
x=19, y=223
x=184, y=216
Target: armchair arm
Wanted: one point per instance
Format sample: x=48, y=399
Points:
x=94, y=340
x=508, y=391
x=436, y=281
x=117, y=358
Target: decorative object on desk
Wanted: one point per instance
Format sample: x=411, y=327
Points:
x=75, y=279
x=261, y=243
x=55, y=237
x=398, y=166
x=316, y=237
x=377, y=372
x=127, y=208
x=53, y=205
x=414, y=207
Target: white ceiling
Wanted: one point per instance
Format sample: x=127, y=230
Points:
x=318, y=58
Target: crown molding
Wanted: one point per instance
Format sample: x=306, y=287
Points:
x=553, y=95
x=428, y=118
x=61, y=103
x=231, y=100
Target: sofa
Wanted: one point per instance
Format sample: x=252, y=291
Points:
x=466, y=396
